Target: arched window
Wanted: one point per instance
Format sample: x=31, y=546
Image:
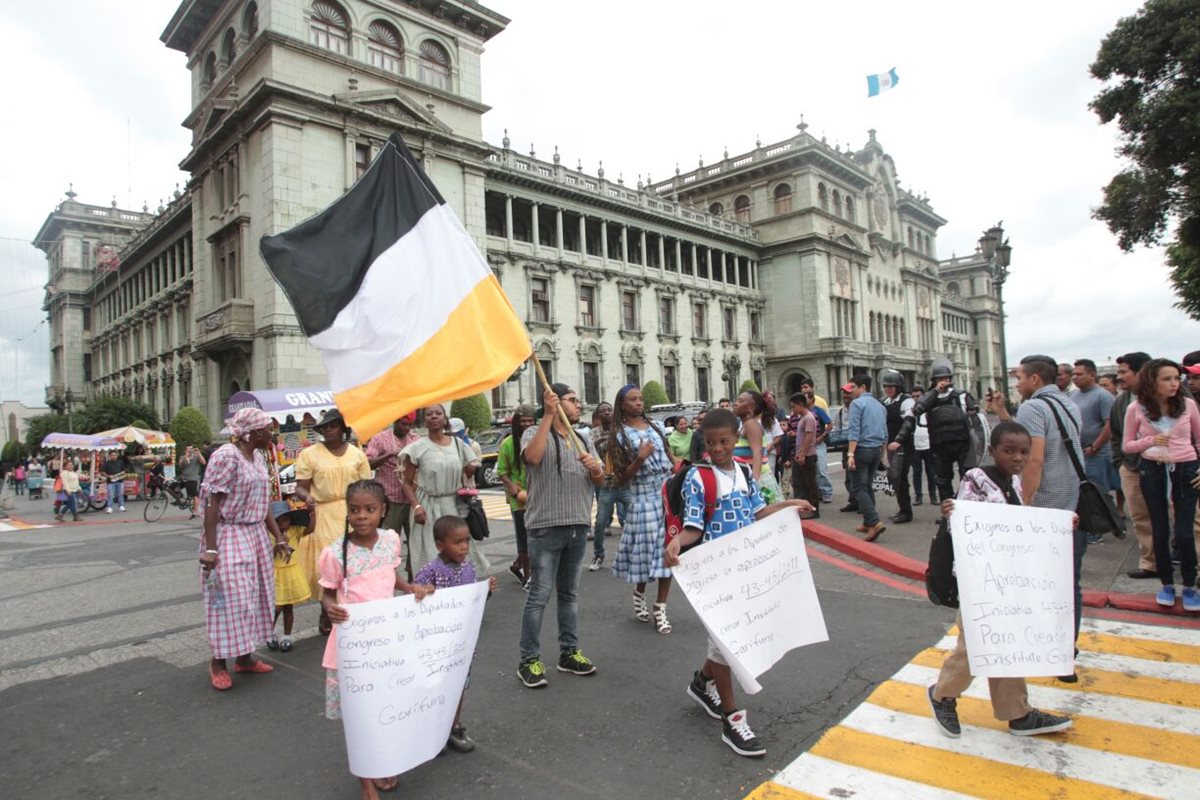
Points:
x=210, y=68
x=741, y=208
x=228, y=48
x=384, y=47
x=952, y=289
x=851, y=211
x=903, y=334
x=328, y=27
x=783, y=198
x=910, y=237
x=822, y=197
x=716, y=209
x=928, y=246
x=250, y=20
x=837, y=203
x=434, y=65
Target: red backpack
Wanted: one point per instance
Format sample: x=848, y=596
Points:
x=673, y=498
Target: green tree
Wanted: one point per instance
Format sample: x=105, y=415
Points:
x=474, y=411
x=749, y=385
x=1150, y=63
x=654, y=394
x=39, y=427
x=141, y=423
x=189, y=428
x=107, y=413
x=12, y=452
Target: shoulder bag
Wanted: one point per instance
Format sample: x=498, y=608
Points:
x=475, y=516
x=1097, y=513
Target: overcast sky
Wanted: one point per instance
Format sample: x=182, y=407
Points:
x=989, y=119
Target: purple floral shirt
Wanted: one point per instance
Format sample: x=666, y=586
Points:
x=977, y=486
x=444, y=576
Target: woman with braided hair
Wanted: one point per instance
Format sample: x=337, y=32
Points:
x=643, y=461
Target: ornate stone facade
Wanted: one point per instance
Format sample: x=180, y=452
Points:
x=795, y=259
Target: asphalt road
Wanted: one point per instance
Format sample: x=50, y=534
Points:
x=104, y=693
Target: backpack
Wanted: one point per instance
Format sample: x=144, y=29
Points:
x=673, y=498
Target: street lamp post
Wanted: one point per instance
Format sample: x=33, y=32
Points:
x=998, y=253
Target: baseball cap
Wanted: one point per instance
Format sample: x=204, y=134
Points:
x=1194, y=369
x=849, y=387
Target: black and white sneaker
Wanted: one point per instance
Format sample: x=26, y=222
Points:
x=597, y=562
x=459, y=741
x=945, y=714
x=735, y=732
x=1038, y=722
x=532, y=672
x=704, y=692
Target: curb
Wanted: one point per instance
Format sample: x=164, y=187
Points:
x=913, y=569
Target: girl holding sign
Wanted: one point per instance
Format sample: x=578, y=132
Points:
x=1000, y=483
x=365, y=564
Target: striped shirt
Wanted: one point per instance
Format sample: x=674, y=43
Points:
x=558, y=495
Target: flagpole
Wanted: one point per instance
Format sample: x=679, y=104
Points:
x=537, y=363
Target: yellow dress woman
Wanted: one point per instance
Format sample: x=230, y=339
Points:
x=323, y=471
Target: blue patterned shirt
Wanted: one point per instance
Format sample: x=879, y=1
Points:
x=446, y=576
x=737, y=503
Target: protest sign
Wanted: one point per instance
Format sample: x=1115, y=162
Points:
x=754, y=592
x=1016, y=588
x=402, y=665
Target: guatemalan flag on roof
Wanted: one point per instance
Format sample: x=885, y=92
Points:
x=392, y=290
x=881, y=82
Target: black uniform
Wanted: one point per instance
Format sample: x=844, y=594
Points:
x=948, y=419
x=894, y=406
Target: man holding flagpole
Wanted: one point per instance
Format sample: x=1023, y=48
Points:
x=563, y=471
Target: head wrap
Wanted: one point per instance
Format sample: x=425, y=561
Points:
x=624, y=390
x=410, y=418
x=561, y=389
x=247, y=420
x=457, y=425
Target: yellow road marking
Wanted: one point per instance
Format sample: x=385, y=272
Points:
x=973, y=775
x=777, y=791
x=1132, y=646
x=1137, y=687
x=1098, y=734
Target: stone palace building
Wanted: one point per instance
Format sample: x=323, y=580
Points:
x=795, y=259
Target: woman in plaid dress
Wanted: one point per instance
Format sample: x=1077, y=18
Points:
x=642, y=460
x=235, y=553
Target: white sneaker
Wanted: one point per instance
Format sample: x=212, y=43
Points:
x=108, y=510
x=122, y=508
x=596, y=563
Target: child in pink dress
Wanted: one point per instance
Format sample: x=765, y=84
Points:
x=364, y=565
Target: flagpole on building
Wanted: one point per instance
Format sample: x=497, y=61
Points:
x=537, y=363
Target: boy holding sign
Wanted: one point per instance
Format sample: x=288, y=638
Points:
x=738, y=503
x=1001, y=483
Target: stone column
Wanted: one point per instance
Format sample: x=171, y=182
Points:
x=537, y=238
x=604, y=240
x=724, y=269
x=625, y=244
x=695, y=261
x=678, y=256
x=708, y=260
x=508, y=218
x=582, y=237
x=645, y=254
x=558, y=230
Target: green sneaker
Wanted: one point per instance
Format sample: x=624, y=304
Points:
x=576, y=663
x=532, y=672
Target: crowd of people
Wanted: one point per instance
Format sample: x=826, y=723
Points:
x=348, y=533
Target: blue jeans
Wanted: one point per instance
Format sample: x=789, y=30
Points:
x=1080, y=548
x=866, y=464
x=68, y=504
x=116, y=494
x=556, y=556
x=1161, y=490
x=609, y=498
x=824, y=485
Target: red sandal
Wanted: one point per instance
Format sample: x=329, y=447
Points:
x=220, y=680
x=255, y=668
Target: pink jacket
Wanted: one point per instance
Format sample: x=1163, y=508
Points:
x=1184, y=438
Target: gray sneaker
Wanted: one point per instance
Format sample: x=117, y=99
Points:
x=945, y=714
x=1038, y=722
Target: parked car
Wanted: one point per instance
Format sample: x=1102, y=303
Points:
x=489, y=443
x=662, y=413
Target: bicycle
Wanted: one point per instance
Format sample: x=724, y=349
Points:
x=170, y=493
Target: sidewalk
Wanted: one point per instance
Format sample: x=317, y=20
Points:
x=904, y=550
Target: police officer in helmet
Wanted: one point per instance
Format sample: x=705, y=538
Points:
x=949, y=414
x=899, y=405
